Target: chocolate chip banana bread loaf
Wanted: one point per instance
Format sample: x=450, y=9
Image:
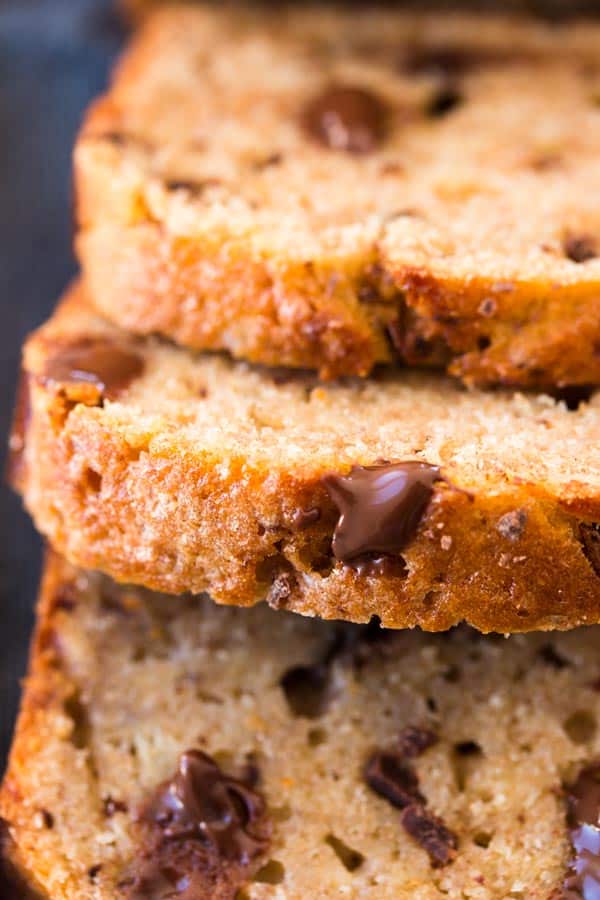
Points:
x=403, y=496
x=400, y=187
x=179, y=749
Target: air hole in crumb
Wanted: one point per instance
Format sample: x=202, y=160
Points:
x=483, y=839
x=139, y=654
x=446, y=99
x=467, y=748
x=580, y=726
x=273, y=872
x=483, y=342
x=76, y=711
x=316, y=736
x=452, y=674
x=307, y=690
x=431, y=704
x=92, y=480
x=464, y=759
x=349, y=858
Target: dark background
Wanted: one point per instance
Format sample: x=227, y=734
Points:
x=54, y=56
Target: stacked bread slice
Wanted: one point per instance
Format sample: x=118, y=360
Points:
x=335, y=347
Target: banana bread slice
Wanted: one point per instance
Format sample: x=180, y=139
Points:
x=405, y=496
x=331, y=189
x=363, y=763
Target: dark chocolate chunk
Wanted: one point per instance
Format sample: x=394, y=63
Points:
x=307, y=690
x=102, y=363
x=304, y=518
x=580, y=248
x=380, y=507
x=590, y=539
x=203, y=833
x=512, y=524
x=387, y=776
x=202, y=803
x=431, y=834
x=414, y=741
x=15, y=465
x=583, y=818
x=348, y=118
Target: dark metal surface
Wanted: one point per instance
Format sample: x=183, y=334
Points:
x=54, y=56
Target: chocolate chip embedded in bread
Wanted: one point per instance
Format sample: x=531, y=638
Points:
x=590, y=539
x=201, y=802
x=583, y=817
x=380, y=506
x=345, y=117
x=387, y=776
x=431, y=834
x=104, y=364
x=414, y=740
x=202, y=830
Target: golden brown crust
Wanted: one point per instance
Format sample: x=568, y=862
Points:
x=463, y=253
x=190, y=481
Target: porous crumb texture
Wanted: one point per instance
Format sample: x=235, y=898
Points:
x=207, y=474
x=467, y=236
x=122, y=682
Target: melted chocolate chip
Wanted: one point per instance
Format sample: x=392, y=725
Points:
x=431, y=834
x=202, y=803
x=512, y=524
x=102, y=363
x=580, y=248
x=583, y=817
x=387, y=776
x=304, y=518
x=380, y=507
x=15, y=466
x=414, y=741
x=590, y=539
x=203, y=834
x=346, y=118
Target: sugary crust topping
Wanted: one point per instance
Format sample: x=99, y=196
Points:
x=407, y=186
x=204, y=474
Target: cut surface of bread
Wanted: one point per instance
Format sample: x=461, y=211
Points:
x=405, y=496
x=323, y=718
x=331, y=189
